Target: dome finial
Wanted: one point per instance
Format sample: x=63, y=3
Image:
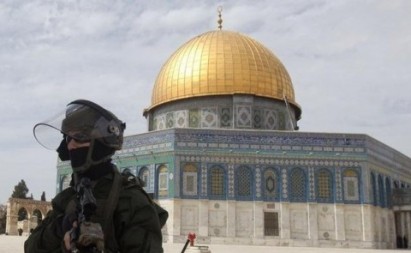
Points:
x=220, y=21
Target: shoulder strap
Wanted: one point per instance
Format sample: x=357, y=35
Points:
x=110, y=206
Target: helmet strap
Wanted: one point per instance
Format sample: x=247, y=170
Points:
x=89, y=160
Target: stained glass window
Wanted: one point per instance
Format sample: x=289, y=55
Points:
x=217, y=180
x=388, y=191
x=373, y=189
x=381, y=190
x=324, y=185
x=298, y=185
x=190, y=180
x=270, y=183
x=244, y=182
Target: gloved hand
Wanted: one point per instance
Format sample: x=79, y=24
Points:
x=68, y=221
x=70, y=230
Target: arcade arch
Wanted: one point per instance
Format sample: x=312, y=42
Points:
x=25, y=214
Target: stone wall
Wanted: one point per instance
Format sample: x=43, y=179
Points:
x=300, y=224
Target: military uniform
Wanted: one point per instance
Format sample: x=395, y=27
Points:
x=136, y=219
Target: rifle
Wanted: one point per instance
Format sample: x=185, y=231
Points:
x=88, y=236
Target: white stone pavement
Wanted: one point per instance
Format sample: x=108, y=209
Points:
x=14, y=244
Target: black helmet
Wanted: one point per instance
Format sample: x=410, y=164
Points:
x=86, y=121
x=83, y=121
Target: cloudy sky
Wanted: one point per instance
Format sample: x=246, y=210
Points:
x=349, y=61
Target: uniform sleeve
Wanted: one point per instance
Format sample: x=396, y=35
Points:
x=46, y=238
x=137, y=224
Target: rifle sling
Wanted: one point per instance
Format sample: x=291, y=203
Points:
x=110, y=206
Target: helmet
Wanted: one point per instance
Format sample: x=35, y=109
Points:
x=83, y=121
x=86, y=121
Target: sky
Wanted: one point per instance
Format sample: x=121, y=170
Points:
x=349, y=61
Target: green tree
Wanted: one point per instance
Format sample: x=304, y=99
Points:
x=3, y=217
x=20, y=190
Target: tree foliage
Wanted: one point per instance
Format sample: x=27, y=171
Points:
x=3, y=217
x=43, y=196
x=20, y=190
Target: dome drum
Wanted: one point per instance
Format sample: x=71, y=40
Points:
x=230, y=112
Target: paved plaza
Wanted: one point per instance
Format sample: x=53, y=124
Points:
x=14, y=244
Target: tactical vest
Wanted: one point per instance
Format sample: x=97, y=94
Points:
x=106, y=207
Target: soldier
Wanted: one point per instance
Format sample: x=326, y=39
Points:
x=101, y=210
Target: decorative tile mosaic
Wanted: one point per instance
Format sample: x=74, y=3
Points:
x=231, y=180
x=258, y=119
x=161, y=122
x=311, y=183
x=284, y=182
x=270, y=119
x=181, y=118
x=281, y=121
x=243, y=116
x=284, y=150
x=170, y=120
x=271, y=184
x=194, y=118
x=226, y=116
x=338, y=188
x=258, y=182
x=203, y=180
x=209, y=117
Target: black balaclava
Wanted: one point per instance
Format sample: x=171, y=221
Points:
x=78, y=156
x=62, y=150
x=97, y=164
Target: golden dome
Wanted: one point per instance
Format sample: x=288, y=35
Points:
x=222, y=63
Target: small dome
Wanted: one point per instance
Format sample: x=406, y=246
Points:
x=222, y=63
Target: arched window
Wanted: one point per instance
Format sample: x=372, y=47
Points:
x=351, y=185
x=298, y=185
x=217, y=183
x=190, y=175
x=374, y=190
x=388, y=192
x=381, y=191
x=244, y=179
x=270, y=184
x=324, y=186
x=162, y=181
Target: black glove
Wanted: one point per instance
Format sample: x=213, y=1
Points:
x=68, y=221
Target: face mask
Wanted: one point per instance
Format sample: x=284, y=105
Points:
x=78, y=156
